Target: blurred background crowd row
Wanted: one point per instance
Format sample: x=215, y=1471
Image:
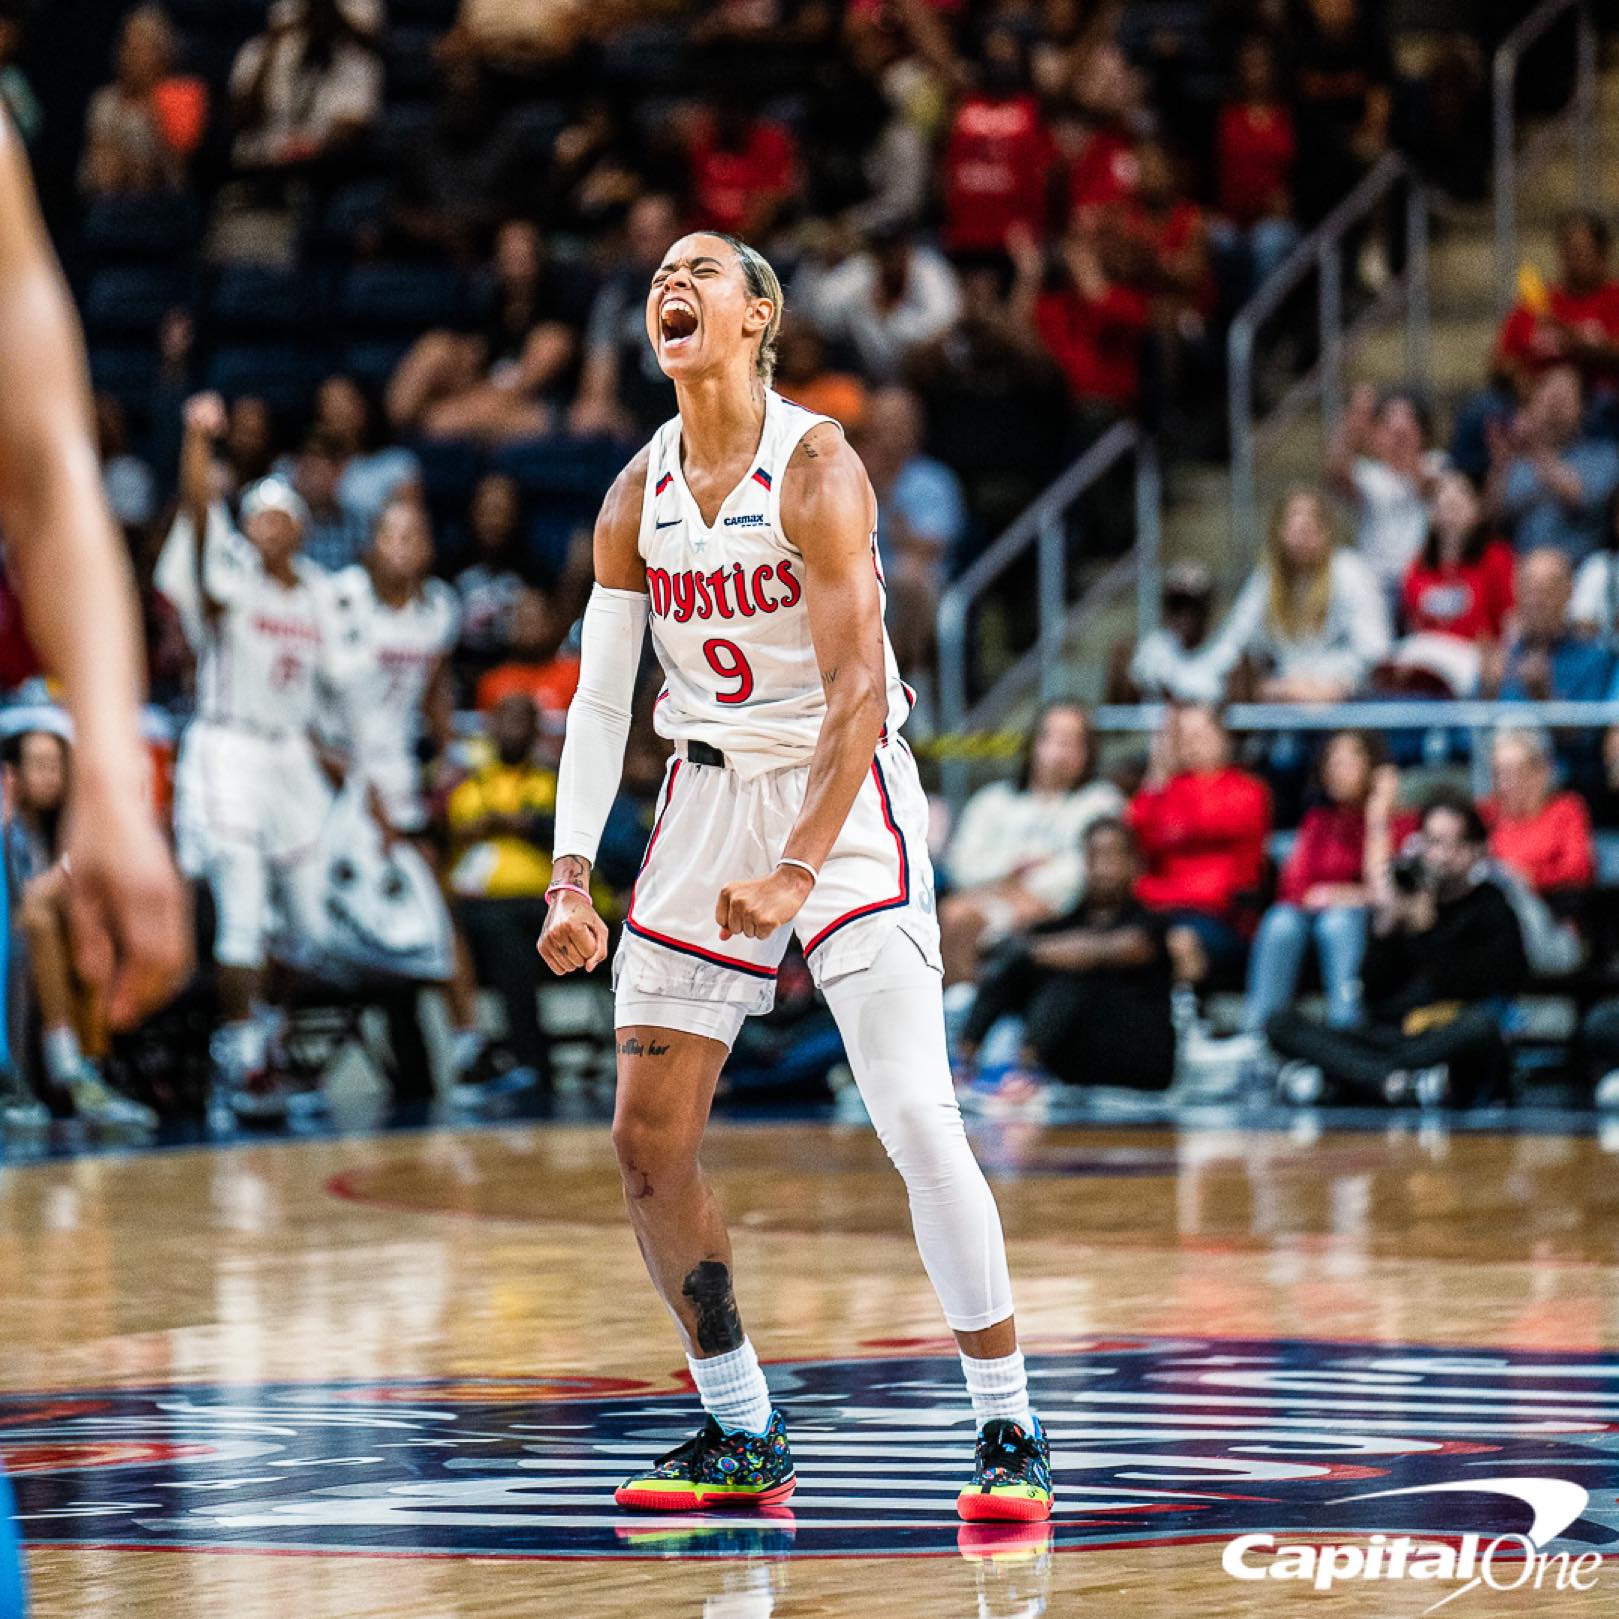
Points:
x=409, y=242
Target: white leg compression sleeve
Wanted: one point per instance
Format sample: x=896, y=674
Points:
x=891, y=1017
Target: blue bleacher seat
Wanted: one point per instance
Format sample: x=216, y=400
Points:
x=1607, y=853
x=436, y=14
x=253, y=299
x=283, y=376
x=450, y=472
x=552, y=528
x=121, y=229
x=411, y=71
x=352, y=209
x=404, y=299
x=133, y=298
x=371, y=364
x=125, y=371
x=563, y=466
x=399, y=131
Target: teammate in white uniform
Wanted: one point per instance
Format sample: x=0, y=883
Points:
x=746, y=532
x=249, y=791
x=395, y=630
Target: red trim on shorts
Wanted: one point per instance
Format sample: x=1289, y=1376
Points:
x=904, y=894
x=752, y=969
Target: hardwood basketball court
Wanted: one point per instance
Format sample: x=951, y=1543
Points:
x=398, y=1374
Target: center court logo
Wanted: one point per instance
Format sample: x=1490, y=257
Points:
x=1156, y=1442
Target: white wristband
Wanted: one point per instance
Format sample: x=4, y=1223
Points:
x=803, y=865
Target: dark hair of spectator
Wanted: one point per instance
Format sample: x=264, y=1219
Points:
x=1454, y=802
x=1419, y=408
x=1116, y=825
x=1593, y=224
x=1478, y=539
x=1372, y=746
x=1025, y=772
x=11, y=747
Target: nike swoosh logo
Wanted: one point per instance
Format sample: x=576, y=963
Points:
x=670, y=524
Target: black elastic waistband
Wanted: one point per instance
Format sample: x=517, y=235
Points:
x=700, y=753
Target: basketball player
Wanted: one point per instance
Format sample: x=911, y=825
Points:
x=249, y=790
x=746, y=532
x=395, y=628
x=72, y=574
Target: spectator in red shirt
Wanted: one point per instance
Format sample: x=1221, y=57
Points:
x=1460, y=583
x=1097, y=138
x=1575, y=319
x=1202, y=825
x=1325, y=888
x=1255, y=146
x=1544, y=835
x=1165, y=233
x=743, y=169
x=998, y=157
x=1090, y=324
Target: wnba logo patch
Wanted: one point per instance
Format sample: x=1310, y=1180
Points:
x=1286, y=1443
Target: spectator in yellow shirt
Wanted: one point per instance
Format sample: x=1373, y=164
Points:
x=500, y=823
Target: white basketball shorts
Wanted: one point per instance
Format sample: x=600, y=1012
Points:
x=672, y=969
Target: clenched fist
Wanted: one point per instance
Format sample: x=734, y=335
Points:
x=757, y=907
x=573, y=935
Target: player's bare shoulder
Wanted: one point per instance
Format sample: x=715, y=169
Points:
x=826, y=496
x=616, y=543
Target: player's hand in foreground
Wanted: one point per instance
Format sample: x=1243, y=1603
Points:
x=127, y=908
x=757, y=907
x=573, y=936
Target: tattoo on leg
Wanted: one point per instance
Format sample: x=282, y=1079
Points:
x=645, y=1188
x=719, y=1327
x=633, y=1048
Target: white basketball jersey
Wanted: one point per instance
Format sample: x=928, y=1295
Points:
x=386, y=656
x=259, y=659
x=729, y=622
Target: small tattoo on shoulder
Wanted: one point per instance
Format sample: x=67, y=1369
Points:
x=810, y=451
x=633, y=1047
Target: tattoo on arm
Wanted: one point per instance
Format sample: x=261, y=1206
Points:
x=719, y=1327
x=829, y=675
x=571, y=868
x=633, y=1047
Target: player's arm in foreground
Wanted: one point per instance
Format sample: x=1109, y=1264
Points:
x=828, y=510
x=126, y=906
x=598, y=723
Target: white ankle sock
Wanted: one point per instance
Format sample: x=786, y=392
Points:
x=999, y=1388
x=733, y=1389
x=60, y=1048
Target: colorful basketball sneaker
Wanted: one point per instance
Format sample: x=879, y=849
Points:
x=716, y=1470
x=1011, y=1475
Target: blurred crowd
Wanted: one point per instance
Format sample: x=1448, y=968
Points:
x=363, y=286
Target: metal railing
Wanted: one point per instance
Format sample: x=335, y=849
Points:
x=1478, y=717
x=1581, y=112
x=1046, y=525
x=1322, y=253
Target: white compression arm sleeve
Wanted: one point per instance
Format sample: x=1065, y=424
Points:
x=599, y=718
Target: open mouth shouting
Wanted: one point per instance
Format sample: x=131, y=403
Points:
x=677, y=322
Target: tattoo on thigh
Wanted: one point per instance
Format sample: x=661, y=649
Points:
x=634, y=1048
x=719, y=1327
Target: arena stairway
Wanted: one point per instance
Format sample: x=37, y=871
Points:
x=1197, y=524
